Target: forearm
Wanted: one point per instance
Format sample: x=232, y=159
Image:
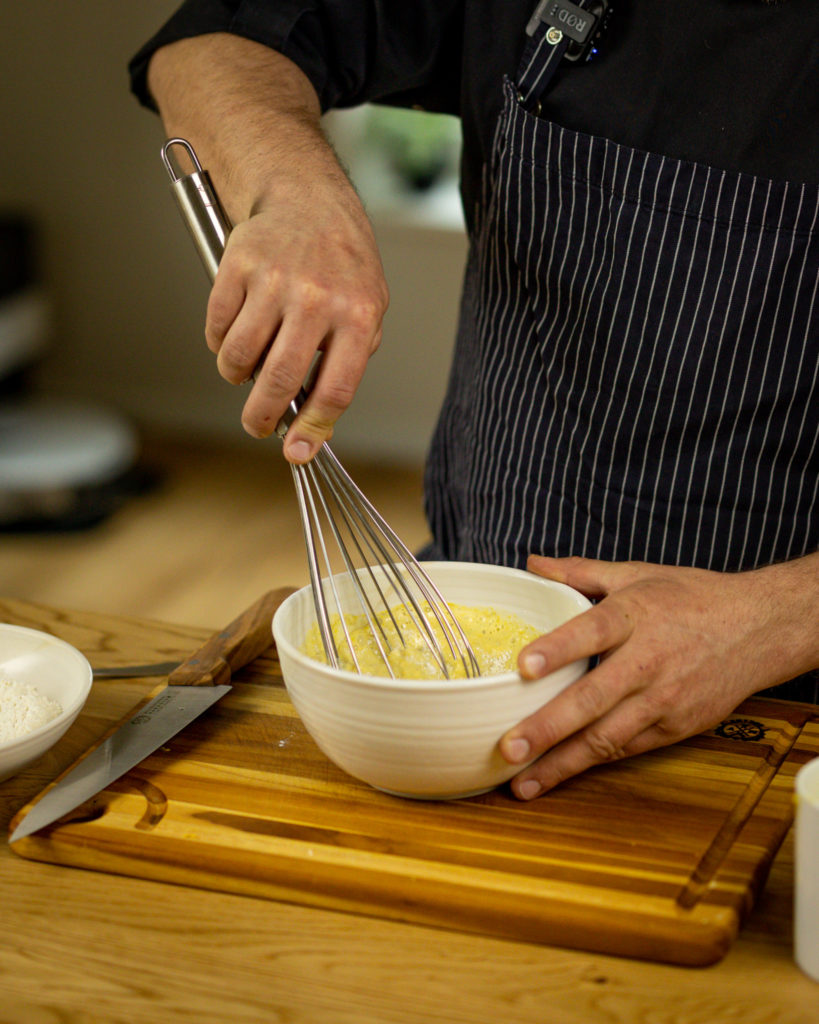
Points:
x=250, y=113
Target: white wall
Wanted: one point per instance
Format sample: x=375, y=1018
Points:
x=79, y=154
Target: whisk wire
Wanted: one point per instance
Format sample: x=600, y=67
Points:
x=320, y=604
x=347, y=511
x=343, y=486
x=363, y=598
x=366, y=513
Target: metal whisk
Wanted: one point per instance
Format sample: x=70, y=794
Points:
x=381, y=569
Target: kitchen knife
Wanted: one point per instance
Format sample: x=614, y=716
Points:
x=192, y=687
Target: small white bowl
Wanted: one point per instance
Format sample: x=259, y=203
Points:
x=428, y=739
x=57, y=670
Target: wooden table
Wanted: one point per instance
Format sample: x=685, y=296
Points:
x=80, y=946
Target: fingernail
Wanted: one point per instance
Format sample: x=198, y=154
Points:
x=533, y=665
x=516, y=750
x=300, y=451
x=529, y=789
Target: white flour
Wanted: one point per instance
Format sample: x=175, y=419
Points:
x=23, y=709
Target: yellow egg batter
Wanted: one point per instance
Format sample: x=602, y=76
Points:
x=496, y=638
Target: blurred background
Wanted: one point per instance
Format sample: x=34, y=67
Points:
x=126, y=481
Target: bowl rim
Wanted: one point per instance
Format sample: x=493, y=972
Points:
x=68, y=712
x=449, y=685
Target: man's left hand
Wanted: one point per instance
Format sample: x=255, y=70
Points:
x=679, y=649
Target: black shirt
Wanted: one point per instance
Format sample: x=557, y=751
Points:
x=729, y=83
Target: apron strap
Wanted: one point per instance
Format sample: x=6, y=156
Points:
x=547, y=44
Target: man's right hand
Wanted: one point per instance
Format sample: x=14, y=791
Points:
x=301, y=271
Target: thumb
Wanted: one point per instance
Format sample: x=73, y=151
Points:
x=306, y=434
x=591, y=576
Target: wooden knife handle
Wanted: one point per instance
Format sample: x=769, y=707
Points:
x=233, y=647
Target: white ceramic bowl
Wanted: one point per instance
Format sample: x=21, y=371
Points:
x=428, y=739
x=57, y=670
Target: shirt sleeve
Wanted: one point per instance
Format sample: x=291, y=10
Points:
x=353, y=51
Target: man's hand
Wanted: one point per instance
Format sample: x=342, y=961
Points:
x=301, y=274
x=301, y=271
x=680, y=648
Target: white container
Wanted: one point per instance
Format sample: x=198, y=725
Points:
x=430, y=739
x=806, y=889
x=56, y=670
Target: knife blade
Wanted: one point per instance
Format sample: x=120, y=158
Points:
x=192, y=687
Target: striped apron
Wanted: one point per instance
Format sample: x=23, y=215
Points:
x=635, y=373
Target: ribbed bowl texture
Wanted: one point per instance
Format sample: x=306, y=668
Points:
x=427, y=739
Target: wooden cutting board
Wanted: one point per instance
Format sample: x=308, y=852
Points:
x=658, y=857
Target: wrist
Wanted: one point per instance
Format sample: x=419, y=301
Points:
x=784, y=603
x=251, y=114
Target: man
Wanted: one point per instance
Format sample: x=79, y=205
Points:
x=633, y=392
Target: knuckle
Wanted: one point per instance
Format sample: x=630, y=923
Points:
x=668, y=730
x=610, y=622
x=591, y=697
x=544, y=734
x=217, y=325
x=312, y=297
x=280, y=379
x=219, y=315
x=364, y=315
x=268, y=277
x=654, y=705
x=237, y=353
x=602, y=746
x=597, y=621
x=338, y=395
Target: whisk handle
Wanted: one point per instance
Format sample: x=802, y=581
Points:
x=209, y=227
x=201, y=209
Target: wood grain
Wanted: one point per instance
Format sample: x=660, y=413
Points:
x=81, y=946
x=658, y=857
